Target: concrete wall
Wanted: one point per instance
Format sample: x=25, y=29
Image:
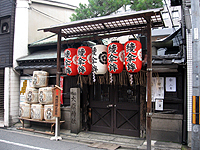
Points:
x=14, y=96
x=43, y=15
x=20, y=47
x=167, y=127
x=11, y=97
x=66, y=116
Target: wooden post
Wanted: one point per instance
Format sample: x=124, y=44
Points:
x=149, y=77
x=57, y=128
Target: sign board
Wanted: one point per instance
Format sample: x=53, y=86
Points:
x=61, y=85
x=56, y=101
x=75, y=110
x=171, y=84
x=25, y=82
x=159, y=104
x=157, y=88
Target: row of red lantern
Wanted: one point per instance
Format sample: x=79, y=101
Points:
x=101, y=58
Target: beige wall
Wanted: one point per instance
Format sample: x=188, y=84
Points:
x=44, y=15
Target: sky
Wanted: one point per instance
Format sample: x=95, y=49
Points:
x=74, y=2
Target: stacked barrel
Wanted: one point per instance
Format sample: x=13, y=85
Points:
x=38, y=103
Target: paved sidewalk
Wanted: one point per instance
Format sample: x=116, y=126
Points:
x=111, y=141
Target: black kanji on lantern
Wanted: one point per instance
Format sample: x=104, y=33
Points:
x=94, y=60
x=68, y=70
x=130, y=47
x=67, y=63
x=81, y=61
x=94, y=50
x=94, y=68
x=112, y=58
x=81, y=52
x=130, y=57
x=67, y=56
x=113, y=67
x=131, y=66
x=81, y=69
x=112, y=49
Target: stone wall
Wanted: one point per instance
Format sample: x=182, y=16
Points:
x=167, y=127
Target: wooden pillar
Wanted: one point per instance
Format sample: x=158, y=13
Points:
x=149, y=77
x=58, y=60
x=58, y=77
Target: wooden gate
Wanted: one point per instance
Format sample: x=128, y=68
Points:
x=115, y=109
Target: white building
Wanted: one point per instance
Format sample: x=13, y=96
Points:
x=29, y=16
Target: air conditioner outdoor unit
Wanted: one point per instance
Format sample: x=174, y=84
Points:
x=5, y=25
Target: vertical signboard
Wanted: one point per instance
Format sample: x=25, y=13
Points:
x=75, y=110
x=56, y=101
x=24, y=83
x=61, y=86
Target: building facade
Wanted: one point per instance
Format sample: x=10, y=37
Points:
x=23, y=18
x=168, y=64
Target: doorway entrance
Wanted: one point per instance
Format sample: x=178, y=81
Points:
x=115, y=109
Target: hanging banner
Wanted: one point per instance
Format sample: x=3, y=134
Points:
x=84, y=60
x=70, y=62
x=61, y=86
x=133, y=56
x=115, y=55
x=99, y=59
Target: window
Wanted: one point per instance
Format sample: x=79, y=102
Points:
x=5, y=25
x=165, y=15
x=175, y=14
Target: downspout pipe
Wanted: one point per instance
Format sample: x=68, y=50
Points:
x=184, y=140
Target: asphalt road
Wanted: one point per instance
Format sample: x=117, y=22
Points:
x=12, y=140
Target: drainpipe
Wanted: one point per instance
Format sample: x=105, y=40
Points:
x=184, y=130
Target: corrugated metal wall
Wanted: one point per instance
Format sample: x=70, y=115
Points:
x=7, y=11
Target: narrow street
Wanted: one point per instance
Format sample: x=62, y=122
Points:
x=11, y=140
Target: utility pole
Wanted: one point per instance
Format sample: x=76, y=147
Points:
x=195, y=10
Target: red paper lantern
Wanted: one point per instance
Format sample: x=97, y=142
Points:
x=133, y=56
x=70, y=56
x=115, y=58
x=84, y=60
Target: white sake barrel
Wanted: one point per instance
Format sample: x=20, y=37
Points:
x=40, y=79
x=31, y=95
x=37, y=111
x=46, y=95
x=25, y=110
x=48, y=113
